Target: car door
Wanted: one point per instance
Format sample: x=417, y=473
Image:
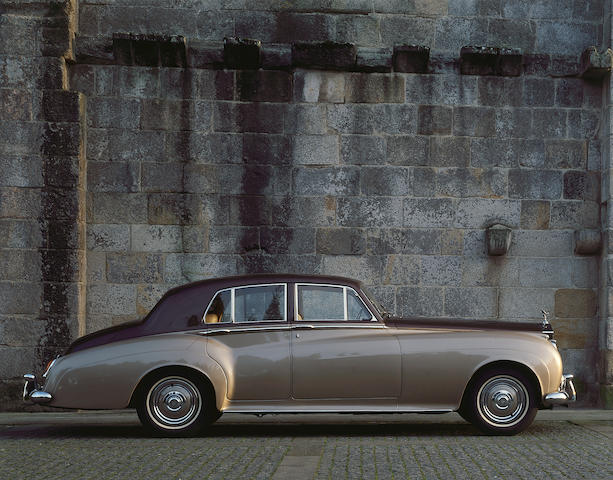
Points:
x=248, y=336
x=339, y=349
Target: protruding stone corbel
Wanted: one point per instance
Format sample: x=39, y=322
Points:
x=149, y=50
x=490, y=61
x=242, y=53
x=498, y=239
x=411, y=58
x=587, y=242
x=595, y=64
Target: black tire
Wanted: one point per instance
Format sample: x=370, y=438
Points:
x=500, y=401
x=176, y=404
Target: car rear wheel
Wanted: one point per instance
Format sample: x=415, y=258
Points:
x=176, y=405
x=500, y=401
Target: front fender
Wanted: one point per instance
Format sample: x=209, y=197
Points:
x=105, y=377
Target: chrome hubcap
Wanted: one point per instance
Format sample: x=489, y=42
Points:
x=503, y=401
x=174, y=402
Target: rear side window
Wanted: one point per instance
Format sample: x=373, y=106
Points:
x=330, y=302
x=257, y=303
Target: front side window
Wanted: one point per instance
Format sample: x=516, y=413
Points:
x=328, y=302
x=258, y=303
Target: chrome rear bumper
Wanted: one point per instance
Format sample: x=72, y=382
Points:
x=566, y=393
x=32, y=390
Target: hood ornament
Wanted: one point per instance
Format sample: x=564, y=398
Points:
x=545, y=317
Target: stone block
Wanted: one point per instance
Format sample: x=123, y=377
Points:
x=469, y=182
x=62, y=139
x=305, y=119
x=370, y=59
x=535, y=214
x=316, y=211
x=161, y=177
x=21, y=171
x=369, y=212
x=225, y=239
x=493, y=152
x=587, y=242
x=263, y=149
x=575, y=333
x=442, y=270
x=369, y=269
x=326, y=181
x=111, y=299
x=424, y=182
x=491, y=60
x=20, y=234
x=471, y=302
x=61, y=265
x=439, y=212
x=156, y=238
x=566, y=154
x=113, y=177
x=434, y=120
x=261, y=263
x=500, y=92
x=525, y=303
x=304, y=27
x=363, y=150
x=116, y=113
x=134, y=268
x=327, y=55
x=420, y=301
x=581, y=185
x=341, y=241
x=241, y=53
x=386, y=181
x=195, y=238
x=315, y=149
x=20, y=297
x=569, y=92
x=319, y=86
x=276, y=56
x=404, y=241
x=19, y=203
x=352, y=118
x=535, y=184
x=147, y=296
x=173, y=115
x=514, y=123
x=139, y=82
x=595, y=64
x=575, y=303
x=363, y=29
x=108, y=237
x=408, y=150
x=248, y=117
x=118, y=208
x=20, y=331
x=200, y=147
x=533, y=243
x=402, y=270
x=574, y=214
x=125, y=145
x=474, y=121
x=264, y=86
x=374, y=88
x=545, y=272
x=481, y=212
x=538, y=92
x=585, y=272
x=404, y=29
x=490, y=271
x=61, y=204
x=250, y=210
x=282, y=240
x=549, y=123
x=185, y=209
x=449, y=152
x=19, y=265
x=411, y=58
x=393, y=119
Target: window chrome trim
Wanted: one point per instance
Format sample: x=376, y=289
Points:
x=345, y=303
x=213, y=331
x=233, y=303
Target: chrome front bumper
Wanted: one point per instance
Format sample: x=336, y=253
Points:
x=566, y=393
x=32, y=390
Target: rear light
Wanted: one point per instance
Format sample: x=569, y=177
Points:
x=49, y=365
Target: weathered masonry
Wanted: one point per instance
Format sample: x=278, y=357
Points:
x=375, y=139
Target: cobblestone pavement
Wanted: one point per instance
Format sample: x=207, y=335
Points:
x=113, y=445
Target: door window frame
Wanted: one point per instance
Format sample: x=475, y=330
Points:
x=345, y=289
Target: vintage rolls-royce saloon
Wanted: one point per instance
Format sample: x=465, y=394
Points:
x=296, y=344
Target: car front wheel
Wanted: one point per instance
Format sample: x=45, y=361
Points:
x=501, y=402
x=176, y=405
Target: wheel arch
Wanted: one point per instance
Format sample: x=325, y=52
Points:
x=169, y=370
x=509, y=364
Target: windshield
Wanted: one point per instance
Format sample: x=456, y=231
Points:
x=374, y=301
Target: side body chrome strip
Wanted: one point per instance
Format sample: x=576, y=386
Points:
x=309, y=326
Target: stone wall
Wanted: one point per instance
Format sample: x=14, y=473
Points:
x=355, y=157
